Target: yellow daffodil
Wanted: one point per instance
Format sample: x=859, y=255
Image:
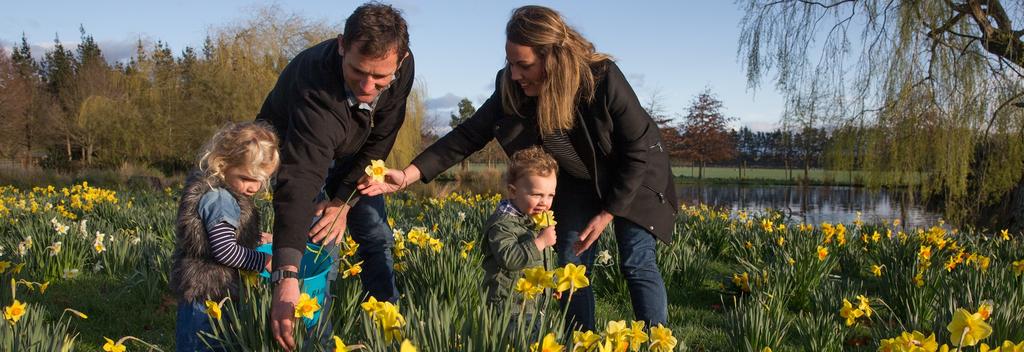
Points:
x=548, y=344
x=767, y=225
x=353, y=247
x=372, y=306
x=4, y=265
x=909, y=342
x=876, y=270
x=637, y=336
x=985, y=309
x=339, y=345
x=584, y=341
x=466, y=248
x=539, y=277
x=1007, y=346
x=742, y=281
x=407, y=347
x=849, y=313
x=571, y=277
x=781, y=241
x=766, y=349
x=353, y=270
x=1018, y=267
x=967, y=329
x=306, y=306
x=1005, y=234
x=43, y=287
x=391, y=321
x=112, y=346
x=376, y=170
x=528, y=289
x=662, y=339
x=14, y=312
x=544, y=219
x=925, y=253
x=864, y=305
x=213, y=309
x=436, y=244
x=822, y=253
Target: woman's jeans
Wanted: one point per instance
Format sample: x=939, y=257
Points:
x=575, y=205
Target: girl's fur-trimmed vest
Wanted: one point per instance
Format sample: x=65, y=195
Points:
x=195, y=274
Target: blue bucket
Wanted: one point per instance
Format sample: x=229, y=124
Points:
x=313, y=273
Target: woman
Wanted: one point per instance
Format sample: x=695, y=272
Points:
x=558, y=92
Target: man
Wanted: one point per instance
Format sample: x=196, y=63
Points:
x=337, y=106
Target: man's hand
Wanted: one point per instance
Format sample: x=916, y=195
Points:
x=333, y=219
x=593, y=231
x=282, y=312
x=546, y=238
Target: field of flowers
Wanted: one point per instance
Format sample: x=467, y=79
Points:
x=87, y=269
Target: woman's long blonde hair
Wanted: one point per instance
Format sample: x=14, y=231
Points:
x=251, y=145
x=567, y=58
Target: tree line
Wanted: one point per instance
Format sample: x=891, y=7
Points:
x=73, y=109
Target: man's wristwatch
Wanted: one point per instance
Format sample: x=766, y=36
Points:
x=278, y=275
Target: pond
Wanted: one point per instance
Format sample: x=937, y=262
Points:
x=812, y=204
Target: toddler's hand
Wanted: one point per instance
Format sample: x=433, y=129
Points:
x=546, y=238
x=266, y=237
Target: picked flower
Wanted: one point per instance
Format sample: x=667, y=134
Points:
x=376, y=170
x=544, y=219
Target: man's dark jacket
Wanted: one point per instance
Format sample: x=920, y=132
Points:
x=310, y=111
x=613, y=135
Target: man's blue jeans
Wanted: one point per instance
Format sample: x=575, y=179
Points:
x=368, y=226
x=575, y=205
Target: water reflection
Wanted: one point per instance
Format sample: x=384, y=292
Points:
x=813, y=204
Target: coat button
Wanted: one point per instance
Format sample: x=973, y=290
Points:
x=651, y=227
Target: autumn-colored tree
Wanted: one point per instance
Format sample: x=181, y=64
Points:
x=706, y=136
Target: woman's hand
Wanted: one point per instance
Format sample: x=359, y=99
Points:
x=593, y=231
x=394, y=180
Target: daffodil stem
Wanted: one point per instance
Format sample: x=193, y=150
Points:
x=333, y=222
x=960, y=344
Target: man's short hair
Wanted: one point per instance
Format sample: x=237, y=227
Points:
x=380, y=27
x=532, y=161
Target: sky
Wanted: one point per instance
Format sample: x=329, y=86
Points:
x=675, y=49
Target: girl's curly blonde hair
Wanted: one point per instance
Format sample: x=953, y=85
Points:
x=250, y=145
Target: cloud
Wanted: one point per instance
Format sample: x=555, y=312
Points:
x=637, y=80
x=445, y=102
x=121, y=50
